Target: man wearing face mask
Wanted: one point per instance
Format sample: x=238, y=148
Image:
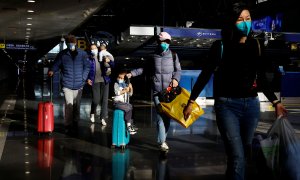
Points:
x=165, y=71
x=74, y=68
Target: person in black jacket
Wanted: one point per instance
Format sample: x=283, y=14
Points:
x=239, y=72
x=74, y=67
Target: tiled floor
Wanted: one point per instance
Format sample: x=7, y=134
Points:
x=195, y=153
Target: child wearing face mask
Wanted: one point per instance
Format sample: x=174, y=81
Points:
x=123, y=91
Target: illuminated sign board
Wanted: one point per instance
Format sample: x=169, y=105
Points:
x=194, y=33
x=82, y=44
x=268, y=23
x=19, y=46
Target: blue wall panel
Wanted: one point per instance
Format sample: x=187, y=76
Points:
x=189, y=78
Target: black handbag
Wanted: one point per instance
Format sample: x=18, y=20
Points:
x=169, y=94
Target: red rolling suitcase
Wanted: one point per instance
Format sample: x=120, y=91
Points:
x=45, y=122
x=45, y=117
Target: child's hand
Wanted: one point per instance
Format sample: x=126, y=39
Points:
x=126, y=89
x=106, y=59
x=129, y=75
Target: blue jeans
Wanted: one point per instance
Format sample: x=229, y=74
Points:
x=237, y=119
x=163, y=123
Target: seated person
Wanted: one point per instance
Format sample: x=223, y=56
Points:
x=121, y=100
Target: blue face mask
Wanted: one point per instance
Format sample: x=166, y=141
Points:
x=120, y=81
x=71, y=46
x=164, y=46
x=244, y=27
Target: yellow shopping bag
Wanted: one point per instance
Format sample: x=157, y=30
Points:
x=174, y=109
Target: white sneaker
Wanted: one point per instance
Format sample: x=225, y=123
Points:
x=164, y=147
x=131, y=130
x=92, y=118
x=103, y=122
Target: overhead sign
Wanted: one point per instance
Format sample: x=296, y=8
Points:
x=2, y=46
x=194, y=32
x=19, y=46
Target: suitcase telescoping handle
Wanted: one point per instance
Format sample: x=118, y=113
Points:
x=51, y=88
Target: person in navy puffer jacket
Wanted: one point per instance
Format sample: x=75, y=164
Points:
x=74, y=67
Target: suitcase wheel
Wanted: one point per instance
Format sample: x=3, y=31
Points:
x=122, y=147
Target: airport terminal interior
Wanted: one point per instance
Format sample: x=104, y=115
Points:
x=32, y=33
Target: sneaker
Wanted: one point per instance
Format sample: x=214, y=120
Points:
x=92, y=118
x=134, y=127
x=131, y=130
x=103, y=122
x=164, y=147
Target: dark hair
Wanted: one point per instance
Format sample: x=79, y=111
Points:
x=70, y=39
x=229, y=31
x=237, y=9
x=122, y=72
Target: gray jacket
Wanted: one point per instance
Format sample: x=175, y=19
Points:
x=163, y=69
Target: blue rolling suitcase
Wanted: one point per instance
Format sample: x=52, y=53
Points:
x=120, y=134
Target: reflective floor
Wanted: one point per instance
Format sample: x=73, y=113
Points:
x=195, y=153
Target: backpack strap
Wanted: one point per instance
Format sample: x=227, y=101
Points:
x=221, y=50
x=259, y=48
x=174, y=58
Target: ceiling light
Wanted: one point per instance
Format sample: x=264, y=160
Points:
x=29, y=18
x=27, y=36
x=30, y=11
x=27, y=32
x=28, y=29
x=28, y=24
x=31, y=1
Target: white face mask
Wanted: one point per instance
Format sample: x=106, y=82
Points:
x=94, y=52
x=71, y=46
x=120, y=80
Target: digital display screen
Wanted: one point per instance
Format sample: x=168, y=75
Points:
x=268, y=23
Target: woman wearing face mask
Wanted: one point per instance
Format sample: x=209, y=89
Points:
x=97, y=81
x=239, y=73
x=165, y=71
